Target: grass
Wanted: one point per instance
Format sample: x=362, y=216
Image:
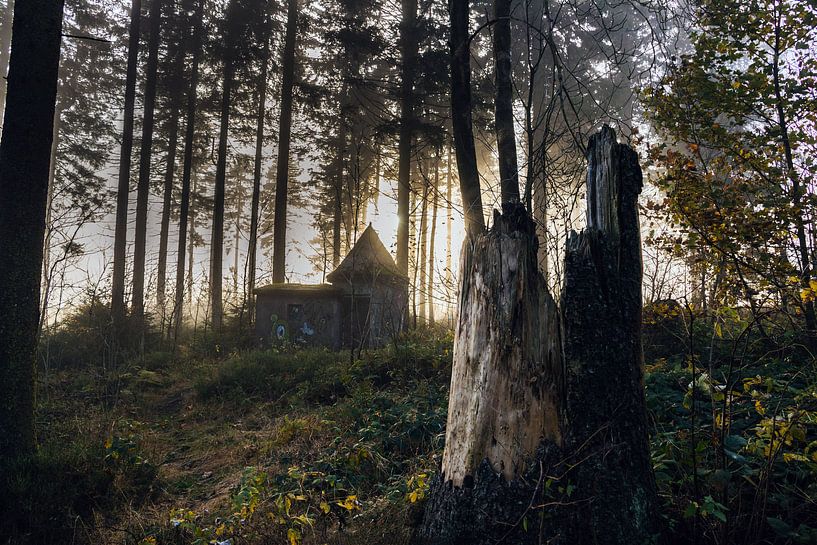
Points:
x=122, y=450
x=307, y=445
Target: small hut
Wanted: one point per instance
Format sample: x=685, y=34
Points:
x=364, y=303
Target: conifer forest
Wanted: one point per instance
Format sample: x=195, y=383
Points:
x=408, y=272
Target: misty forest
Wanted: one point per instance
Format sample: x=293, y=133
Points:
x=415, y=272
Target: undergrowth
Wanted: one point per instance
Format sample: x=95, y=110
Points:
x=243, y=446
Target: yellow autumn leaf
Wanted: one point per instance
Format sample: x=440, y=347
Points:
x=293, y=536
x=350, y=503
x=325, y=507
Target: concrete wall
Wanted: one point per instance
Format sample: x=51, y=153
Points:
x=326, y=317
x=307, y=318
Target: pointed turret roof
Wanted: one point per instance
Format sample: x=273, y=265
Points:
x=368, y=257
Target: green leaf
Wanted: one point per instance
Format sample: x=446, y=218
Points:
x=780, y=527
x=734, y=442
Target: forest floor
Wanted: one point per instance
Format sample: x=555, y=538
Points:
x=295, y=446
x=310, y=446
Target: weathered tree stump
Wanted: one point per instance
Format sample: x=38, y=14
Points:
x=547, y=435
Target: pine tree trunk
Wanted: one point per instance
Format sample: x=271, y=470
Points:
x=503, y=105
x=337, y=209
x=49, y=228
x=461, y=123
x=449, y=232
x=164, y=231
x=143, y=183
x=377, y=170
x=239, y=210
x=413, y=247
x=25, y=151
x=187, y=168
x=123, y=187
x=284, y=130
x=191, y=246
x=433, y=240
x=217, y=230
x=252, y=251
x=408, y=59
x=546, y=439
x=422, y=253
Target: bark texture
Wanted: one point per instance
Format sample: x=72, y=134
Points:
x=284, y=130
x=252, y=250
x=187, y=168
x=605, y=407
x=461, y=122
x=123, y=187
x=503, y=105
x=167, y=196
x=25, y=152
x=217, y=230
x=547, y=439
x=507, y=335
x=146, y=147
x=408, y=58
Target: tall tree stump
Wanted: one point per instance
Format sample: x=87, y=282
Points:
x=546, y=440
x=614, y=499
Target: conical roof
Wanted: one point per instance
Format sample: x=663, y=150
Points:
x=368, y=258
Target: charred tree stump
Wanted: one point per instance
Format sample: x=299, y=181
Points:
x=546, y=440
x=614, y=499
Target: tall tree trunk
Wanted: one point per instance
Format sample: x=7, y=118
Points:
x=460, y=49
x=25, y=150
x=337, y=210
x=143, y=183
x=408, y=59
x=252, y=251
x=537, y=128
x=191, y=246
x=421, y=263
x=167, y=197
x=377, y=171
x=413, y=247
x=187, y=168
x=527, y=410
x=217, y=230
x=433, y=240
x=123, y=186
x=5, y=46
x=49, y=228
x=239, y=210
x=449, y=232
x=503, y=105
x=284, y=130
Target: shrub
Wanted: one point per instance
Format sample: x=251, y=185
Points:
x=309, y=375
